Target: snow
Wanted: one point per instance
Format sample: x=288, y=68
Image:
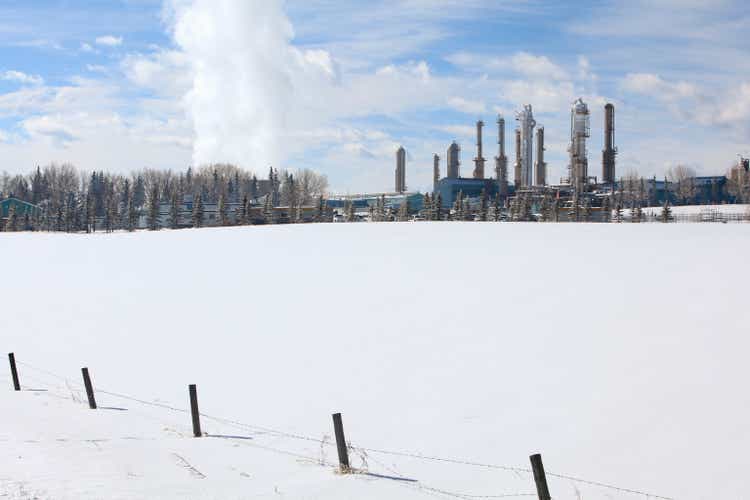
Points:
x=618, y=351
x=737, y=210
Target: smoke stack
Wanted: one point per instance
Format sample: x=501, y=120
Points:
x=435, y=172
x=401, y=170
x=541, y=167
x=517, y=166
x=479, y=160
x=501, y=162
x=610, y=151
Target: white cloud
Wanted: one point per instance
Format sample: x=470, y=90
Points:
x=655, y=86
x=467, y=106
x=458, y=131
x=536, y=66
x=109, y=41
x=86, y=47
x=18, y=76
x=520, y=63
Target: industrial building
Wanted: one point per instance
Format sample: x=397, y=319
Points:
x=364, y=201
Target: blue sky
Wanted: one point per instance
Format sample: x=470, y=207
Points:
x=337, y=85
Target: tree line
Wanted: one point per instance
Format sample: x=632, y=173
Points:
x=72, y=200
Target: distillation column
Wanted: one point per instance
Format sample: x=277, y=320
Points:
x=435, y=172
x=541, y=166
x=610, y=150
x=401, y=170
x=580, y=130
x=501, y=161
x=517, y=164
x=454, y=160
x=527, y=124
x=479, y=160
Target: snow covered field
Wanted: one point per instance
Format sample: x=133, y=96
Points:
x=706, y=211
x=617, y=351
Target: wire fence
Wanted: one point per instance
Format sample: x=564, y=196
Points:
x=71, y=385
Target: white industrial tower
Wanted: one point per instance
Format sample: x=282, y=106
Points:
x=526, y=126
x=580, y=130
x=501, y=161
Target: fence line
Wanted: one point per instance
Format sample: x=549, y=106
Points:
x=323, y=442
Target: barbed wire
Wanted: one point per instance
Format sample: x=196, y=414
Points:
x=323, y=442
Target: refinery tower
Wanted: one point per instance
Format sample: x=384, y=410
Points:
x=580, y=130
x=526, y=124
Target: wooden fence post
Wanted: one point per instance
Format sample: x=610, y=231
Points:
x=14, y=371
x=89, y=388
x=540, y=478
x=194, y=410
x=338, y=429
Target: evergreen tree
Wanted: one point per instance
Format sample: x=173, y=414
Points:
x=618, y=213
x=438, y=207
x=496, y=208
x=132, y=214
x=321, y=208
x=483, y=205
x=60, y=218
x=636, y=213
x=427, y=206
x=223, y=217
x=153, y=209
x=666, y=212
x=244, y=211
x=139, y=192
x=174, y=210
x=89, y=213
x=268, y=213
x=11, y=223
x=606, y=209
x=198, y=212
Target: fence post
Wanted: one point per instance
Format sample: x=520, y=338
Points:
x=194, y=410
x=14, y=371
x=540, y=478
x=89, y=388
x=338, y=429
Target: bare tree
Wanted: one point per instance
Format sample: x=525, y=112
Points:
x=683, y=182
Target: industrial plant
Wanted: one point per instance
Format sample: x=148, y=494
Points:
x=226, y=195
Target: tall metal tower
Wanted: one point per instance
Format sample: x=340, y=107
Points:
x=479, y=160
x=401, y=170
x=527, y=124
x=517, y=164
x=501, y=161
x=435, y=172
x=541, y=166
x=610, y=150
x=454, y=160
x=580, y=130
